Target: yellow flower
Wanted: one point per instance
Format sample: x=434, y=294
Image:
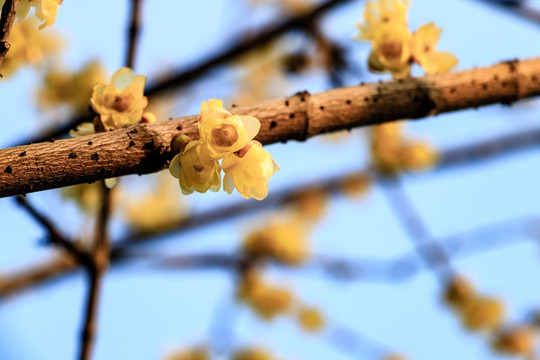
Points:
x=482, y=313
x=122, y=102
x=267, y=300
x=382, y=12
x=71, y=88
x=391, y=49
x=311, y=319
x=224, y=132
x=515, y=342
x=248, y=171
x=29, y=46
x=45, y=10
x=196, y=353
x=252, y=353
x=418, y=156
x=195, y=169
x=424, y=41
x=285, y=242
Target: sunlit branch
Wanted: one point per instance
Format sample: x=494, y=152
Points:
x=146, y=148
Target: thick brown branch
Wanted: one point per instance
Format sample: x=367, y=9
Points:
x=141, y=149
x=6, y=23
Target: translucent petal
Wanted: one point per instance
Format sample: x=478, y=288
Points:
x=123, y=77
x=228, y=184
x=252, y=126
x=174, y=167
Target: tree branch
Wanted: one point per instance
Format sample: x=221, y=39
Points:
x=55, y=236
x=146, y=148
x=7, y=18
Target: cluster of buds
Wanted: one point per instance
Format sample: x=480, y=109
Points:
x=395, y=47
x=228, y=137
x=192, y=353
x=391, y=153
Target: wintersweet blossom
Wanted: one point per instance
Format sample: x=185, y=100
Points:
x=391, y=49
x=382, y=12
x=423, y=48
x=224, y=132
x=248, y=170
x=195, y=169
x=121, y=102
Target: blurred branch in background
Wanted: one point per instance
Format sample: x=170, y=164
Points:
x=60, y=266
x=520, y=8
x=7, y=18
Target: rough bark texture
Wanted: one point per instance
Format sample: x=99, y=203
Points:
x=141, y=149
x=6, y=24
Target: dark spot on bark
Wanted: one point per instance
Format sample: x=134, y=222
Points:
x=503, y=84
x=366, y=99
x=286, y=102
x=8, y=170
x=400, y=81
x=495, y=77
x=321, y=107
x=131, y=143
x=291, y=116
x=22, y=154
x=72, y=156
x=51, y=140
x=134, y=131
x=484, y=86
x=273, y=124
x=179, y=127
x=302, y=99
x=452, y=90
x=512, y=65
x=416, y=98
x=375, y=99
x=534, y=78
x=149, y=145
x=89, y=143
x=473, y=82
x=348, y=102
x=95, y=156
x=233, y=105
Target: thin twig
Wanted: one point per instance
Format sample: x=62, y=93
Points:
x=55, y=236
x=133, y=32
x=7, y=18
x=430, y=251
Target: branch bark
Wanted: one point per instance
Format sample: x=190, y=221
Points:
x=7, y=18
x=146, y=148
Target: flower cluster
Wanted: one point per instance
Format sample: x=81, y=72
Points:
x=252, y=353
x=477, y=312
x=28, y=46
x=45, y=10
x=267, y=300
x=284, y=242
x=392, y=153
x=70, y=88
x=395, y=47
x=228, y=137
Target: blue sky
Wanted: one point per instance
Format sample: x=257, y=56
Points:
x=145, y=311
